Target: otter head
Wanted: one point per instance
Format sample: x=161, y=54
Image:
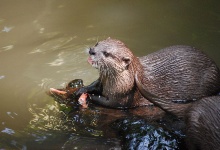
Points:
x=110, y=57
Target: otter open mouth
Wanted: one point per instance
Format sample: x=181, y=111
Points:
x=90, y=61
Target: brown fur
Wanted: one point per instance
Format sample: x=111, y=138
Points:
x=203, y=124
x=117, y=72
x=178, y=73
x=173, y=73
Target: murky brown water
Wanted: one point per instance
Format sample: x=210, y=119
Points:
x=43, y=44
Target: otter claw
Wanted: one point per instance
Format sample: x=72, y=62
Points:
x=80, y=91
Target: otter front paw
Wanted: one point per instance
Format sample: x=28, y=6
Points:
x=80, y=91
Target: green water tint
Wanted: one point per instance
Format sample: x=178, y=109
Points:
x=46, y=48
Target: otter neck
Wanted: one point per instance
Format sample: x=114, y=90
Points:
x=120, y=81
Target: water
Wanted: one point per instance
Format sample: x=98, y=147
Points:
x=43, y=44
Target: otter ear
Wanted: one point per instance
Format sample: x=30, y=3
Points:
x=126, y=61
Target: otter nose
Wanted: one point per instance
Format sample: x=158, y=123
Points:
x=91, y=51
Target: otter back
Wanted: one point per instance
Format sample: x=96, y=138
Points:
x=179, y=73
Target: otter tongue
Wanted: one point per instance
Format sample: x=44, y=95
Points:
x=90, y=60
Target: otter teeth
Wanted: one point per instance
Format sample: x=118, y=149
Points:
x=95, y=65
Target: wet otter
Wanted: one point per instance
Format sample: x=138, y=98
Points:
x=203, y=124
x=116, y=84
x=173, y=74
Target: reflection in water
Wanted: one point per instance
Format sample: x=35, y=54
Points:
x=52, y=45
x=7, y=29
x=48, y=118
x=12, y=114
x=139, y=134
x=89, y=143
x=43, y=45
x=8, y=131
x=6, y=48
x=80, y=124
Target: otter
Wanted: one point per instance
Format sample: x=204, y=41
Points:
x=203, y=124
x=170, y=78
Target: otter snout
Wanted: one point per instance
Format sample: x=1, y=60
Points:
x=91, y=51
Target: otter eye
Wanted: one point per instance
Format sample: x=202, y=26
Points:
x=106, y=54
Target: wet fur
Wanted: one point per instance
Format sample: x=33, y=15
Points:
x=203, y=124
x=180, y=73
x=117, y=66
x=177, y=73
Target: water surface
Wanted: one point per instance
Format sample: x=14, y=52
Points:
x=43, y=44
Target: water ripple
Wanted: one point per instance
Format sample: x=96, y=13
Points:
x=52, y=45
x=7, y=48
x=47, y=83
x=49, y=118
x=7, y=29
x=8, y=131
